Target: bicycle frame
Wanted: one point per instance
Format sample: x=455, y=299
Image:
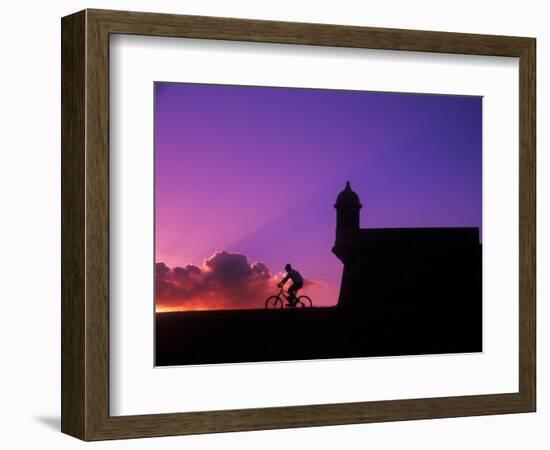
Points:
x=284, y=293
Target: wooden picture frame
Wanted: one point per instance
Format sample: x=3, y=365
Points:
x=85, y=224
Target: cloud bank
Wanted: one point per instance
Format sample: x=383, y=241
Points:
x=225, y=281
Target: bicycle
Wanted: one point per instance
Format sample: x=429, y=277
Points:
x=276, y=302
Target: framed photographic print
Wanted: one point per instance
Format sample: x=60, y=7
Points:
x=272, y=224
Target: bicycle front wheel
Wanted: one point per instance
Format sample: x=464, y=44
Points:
x=304, y=302
x=274, y=302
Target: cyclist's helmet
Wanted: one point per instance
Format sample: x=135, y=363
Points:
x=288, y=267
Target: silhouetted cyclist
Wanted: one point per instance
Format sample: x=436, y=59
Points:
x=297, y=282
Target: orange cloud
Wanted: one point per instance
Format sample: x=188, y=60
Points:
x=225, y=281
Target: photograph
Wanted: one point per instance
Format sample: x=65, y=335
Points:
x=295, y=223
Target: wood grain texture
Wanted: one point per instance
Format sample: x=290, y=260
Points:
x=73, y=225
x=151, y=24
x=97, y=226
x=85, y=224
x=527, y=224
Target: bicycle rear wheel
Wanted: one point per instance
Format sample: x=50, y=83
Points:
x=274, y=302
x=304, y=302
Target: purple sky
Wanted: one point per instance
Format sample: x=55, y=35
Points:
x=256, y=170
